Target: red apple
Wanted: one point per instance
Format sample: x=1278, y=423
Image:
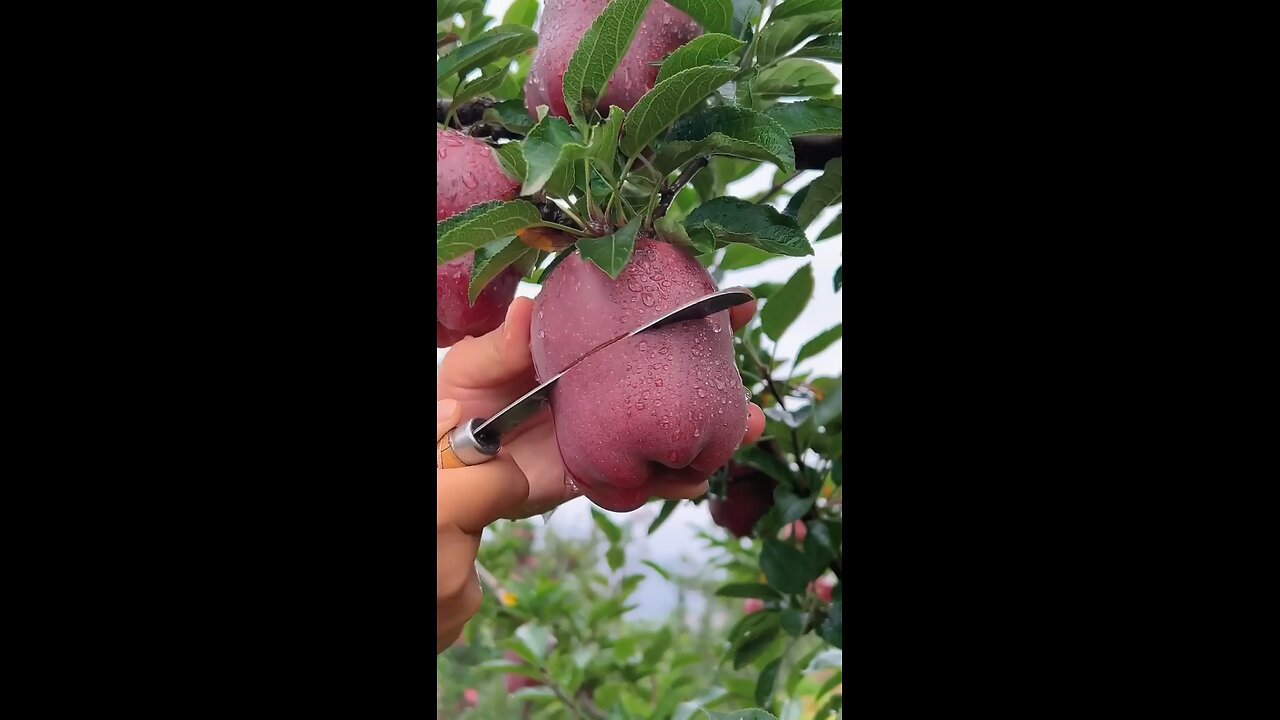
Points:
x=751, y=605
x=747, y=498
x=662, y=29
x=466, y=175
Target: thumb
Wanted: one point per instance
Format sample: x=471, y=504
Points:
x=493, y=359
x=447, y=412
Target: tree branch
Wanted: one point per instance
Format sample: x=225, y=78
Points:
x=669, y=191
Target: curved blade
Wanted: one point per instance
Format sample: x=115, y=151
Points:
x=529, y=403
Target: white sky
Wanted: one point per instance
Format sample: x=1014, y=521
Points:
x=675, y=546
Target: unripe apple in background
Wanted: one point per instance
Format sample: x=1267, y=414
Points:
x=797, y=530
x=662, y=29
x=649, y=416
x=751, y=605
x=515, y=682
x=822, y=587
x=467, y=174
x=748, y=496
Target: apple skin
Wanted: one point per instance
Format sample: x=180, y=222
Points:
x=748, y=496
x=649, y=416
x=796, y=530
x=467, y=174
x=823, y=589
x=662, y=29
x=752, y=605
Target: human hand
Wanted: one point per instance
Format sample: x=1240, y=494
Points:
x=488, y=373
x=467, y=500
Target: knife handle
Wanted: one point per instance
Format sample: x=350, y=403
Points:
x=460, y=447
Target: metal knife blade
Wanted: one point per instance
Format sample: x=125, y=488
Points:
x=517, y=412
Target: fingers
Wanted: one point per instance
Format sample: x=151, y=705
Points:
x=471, y=498
x=740, y=315
x=537, y=453
x=755, y=424
x=447, y=412
x=458, y=593
x=494, y=359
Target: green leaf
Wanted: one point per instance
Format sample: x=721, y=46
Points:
x=831, y=407
x=779, y=36
x=715, y=16
x=511, y=115
x=511, y=157
x=791, y=8
x=480, y=86
x=748, y=590
x=726, y=130
x=493, y=259
x=732, y=220
x=823, y=192
x=671, y=231
x=702, y=50
x=833, y=229
x=536, y=637
x=763, y=290
x=823, y=47
x=481, y=225
x=667, y=101
x=791, y=506
x=603, y=149
x=657, y=568
x=738, y=256
x=747, y=714
x=537, y=694
x=756, y=646
x=446, y=9
x=786, y=568
x=837, y=472
x=611, y=253
x=611, y=531
x=598, y=54
x=501, y=42
x=819, y=343
x=521, y=12
x=551, y=144
x=792, y=621
x=743, y=92
x=838, y=279
x=785, y=306
x=795, y=77
x=658, y=645
x=793, y=205
x=506, y=667
x=808, y=117
x=668, y=507
x=616, y=557
x=764, y=685
x=821, y=534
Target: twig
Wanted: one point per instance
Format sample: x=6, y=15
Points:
x=669, y=191
x=468, y=113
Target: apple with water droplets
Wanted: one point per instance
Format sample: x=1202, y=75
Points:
x=662, y=29
x=652, y=415
x=468, y=174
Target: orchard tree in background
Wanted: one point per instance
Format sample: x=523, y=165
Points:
x=592, y=157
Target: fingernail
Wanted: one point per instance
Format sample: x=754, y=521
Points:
x=445, y=409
